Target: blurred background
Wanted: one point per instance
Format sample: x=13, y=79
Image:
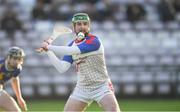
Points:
x=141, y=40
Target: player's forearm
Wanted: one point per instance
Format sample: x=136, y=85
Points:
x=16, y=87
x=65, y=50
x=60, y=65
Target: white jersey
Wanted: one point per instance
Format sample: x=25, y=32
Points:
x=88, y=55
x=91, y=68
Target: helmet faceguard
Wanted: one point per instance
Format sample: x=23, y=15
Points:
x=15, y=52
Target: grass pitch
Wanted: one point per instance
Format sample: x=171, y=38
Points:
x=137, y=105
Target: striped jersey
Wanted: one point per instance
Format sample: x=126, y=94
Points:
x=6, y=75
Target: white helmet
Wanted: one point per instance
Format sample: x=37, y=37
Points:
x=16, y=52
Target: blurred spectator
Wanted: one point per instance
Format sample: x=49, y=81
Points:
x=166, y=11
x=104, y=10
x=135, y=12
x=10, y=23
x=117, y=12
x=45, y=1
x=53, y=12
x=60, y=11
x=38, y=11
x=3, y=2
x=65, y=11
x=84, y=1
x=91, y=7
x=176, y=5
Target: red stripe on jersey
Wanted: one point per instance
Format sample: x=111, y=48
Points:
x=90, y=40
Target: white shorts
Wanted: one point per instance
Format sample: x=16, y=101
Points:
x=88, y=96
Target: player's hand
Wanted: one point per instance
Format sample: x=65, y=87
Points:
x=43, y=48
x=40, y=50
x=44, y=45
x=22, y=104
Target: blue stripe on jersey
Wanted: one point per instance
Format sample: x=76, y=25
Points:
x=68, y=58
x=91, y=43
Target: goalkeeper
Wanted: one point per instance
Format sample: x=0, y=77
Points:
x=87, y=52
